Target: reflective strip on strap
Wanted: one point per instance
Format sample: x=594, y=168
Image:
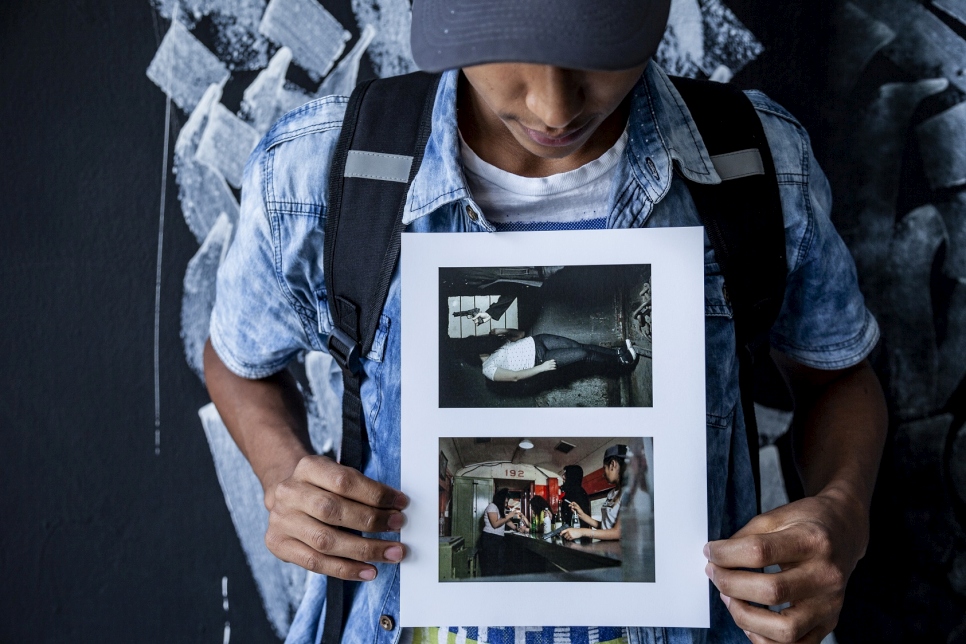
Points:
x=736, y=165
x=376, y=165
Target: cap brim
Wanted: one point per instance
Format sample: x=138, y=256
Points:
x=605, y=35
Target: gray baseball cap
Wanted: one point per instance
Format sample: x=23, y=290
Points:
x=577, y=34
x=616, y=451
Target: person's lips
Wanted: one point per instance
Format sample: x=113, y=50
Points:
x=556, y=140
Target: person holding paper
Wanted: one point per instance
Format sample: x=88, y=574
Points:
x=549, y=115
x=609, y=526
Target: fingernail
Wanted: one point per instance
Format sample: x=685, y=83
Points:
x=395, y=553
x=368, y=574
x=726, y=600
x=396, y=521
x=709, y=572
x=401, y=501
x=707, y=551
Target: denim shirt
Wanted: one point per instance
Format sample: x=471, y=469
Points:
x=271, y=300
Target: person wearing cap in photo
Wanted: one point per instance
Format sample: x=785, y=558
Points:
x=609, y=526
x=549, y=115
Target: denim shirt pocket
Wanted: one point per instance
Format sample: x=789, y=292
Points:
x=721, y=375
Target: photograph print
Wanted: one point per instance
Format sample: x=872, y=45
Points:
x=529, y=375
x=545, y=336
x=549, y=509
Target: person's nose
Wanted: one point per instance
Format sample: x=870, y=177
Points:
x=556, y=97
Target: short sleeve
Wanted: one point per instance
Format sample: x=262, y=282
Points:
x=490, y=508
x=824, y=322
x=490, y=366
x=255, y=329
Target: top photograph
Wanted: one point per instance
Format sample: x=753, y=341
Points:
x=545, y=336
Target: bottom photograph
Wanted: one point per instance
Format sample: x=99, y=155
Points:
x=546, y=509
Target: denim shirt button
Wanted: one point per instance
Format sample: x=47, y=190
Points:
x=387, y=622
x=472, y=213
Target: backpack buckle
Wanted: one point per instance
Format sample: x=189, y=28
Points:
x=344, y=350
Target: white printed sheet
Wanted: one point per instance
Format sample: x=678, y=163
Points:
x=593, y=287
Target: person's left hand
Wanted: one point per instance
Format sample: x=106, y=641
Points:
x=572, y=534
x=816, y=541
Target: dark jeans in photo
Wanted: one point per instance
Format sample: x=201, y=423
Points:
x=569, y=352
x=492, y=554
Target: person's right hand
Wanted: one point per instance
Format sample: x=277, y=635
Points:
x=312, y=510
x=572, y=534
x=549, y=365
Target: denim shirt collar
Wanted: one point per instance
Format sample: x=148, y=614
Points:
x=661, y=136
x=440, y=179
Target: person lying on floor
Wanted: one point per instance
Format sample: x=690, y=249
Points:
x=527, y=357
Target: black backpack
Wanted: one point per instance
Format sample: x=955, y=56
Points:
x=386, y=127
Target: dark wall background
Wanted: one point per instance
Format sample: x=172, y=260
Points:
x=103, y=539
x=100, y=539
x=872, y=81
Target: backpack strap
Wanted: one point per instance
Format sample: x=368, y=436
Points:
x=743, y=219
x=385, y=129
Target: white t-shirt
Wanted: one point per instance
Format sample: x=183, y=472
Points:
x=610, y=509
x=570, y=200
x=512, y=356
x=487, y=527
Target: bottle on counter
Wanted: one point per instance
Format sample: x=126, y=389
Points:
x=546, y=522
x=575, y=523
